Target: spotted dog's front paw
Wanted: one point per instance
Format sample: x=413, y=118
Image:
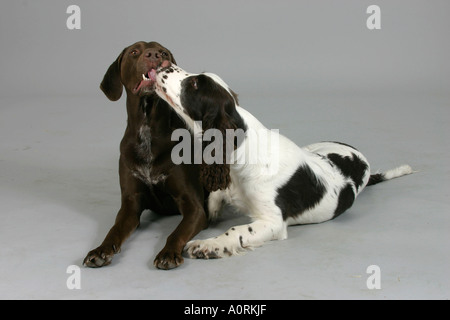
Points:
x=212, y=248
x=203, y=249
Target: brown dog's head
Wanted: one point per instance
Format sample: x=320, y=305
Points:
x=132, y=69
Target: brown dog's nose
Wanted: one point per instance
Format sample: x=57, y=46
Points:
x=152, y=54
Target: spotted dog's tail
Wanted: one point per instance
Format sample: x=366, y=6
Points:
x=390, y=174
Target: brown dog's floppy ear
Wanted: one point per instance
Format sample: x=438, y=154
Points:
x=111, y=84
x=173, y=58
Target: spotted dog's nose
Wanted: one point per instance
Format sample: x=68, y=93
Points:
x=164, y=64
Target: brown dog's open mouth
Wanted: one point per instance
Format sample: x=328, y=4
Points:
x=147, y=83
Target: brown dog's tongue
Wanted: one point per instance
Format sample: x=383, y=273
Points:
x=152, y=75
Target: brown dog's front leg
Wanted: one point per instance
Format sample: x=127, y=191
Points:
x=194, y=220
x=127, y=220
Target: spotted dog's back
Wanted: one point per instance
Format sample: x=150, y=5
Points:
x=350, y=162
x=344, y=172
x=324, y=185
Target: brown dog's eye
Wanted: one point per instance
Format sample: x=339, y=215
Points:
x=164, y=54
x=134, y=52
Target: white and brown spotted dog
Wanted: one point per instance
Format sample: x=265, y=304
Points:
x=288, y=185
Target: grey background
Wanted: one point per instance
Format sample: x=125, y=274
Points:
x=309, y=68
x=319, y=46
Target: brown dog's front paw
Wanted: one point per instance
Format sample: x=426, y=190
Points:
x=168, y=260
x=100, y=257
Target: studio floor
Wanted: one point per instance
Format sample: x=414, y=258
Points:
x=59, y=194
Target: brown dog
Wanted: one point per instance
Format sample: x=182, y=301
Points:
x=148, y=177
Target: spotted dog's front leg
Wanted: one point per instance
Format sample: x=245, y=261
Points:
x=236, y=240
x=216, y=200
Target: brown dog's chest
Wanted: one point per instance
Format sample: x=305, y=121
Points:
x=147, y=142
x=139, y=157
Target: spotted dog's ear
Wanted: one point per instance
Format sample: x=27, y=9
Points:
x=218, y=115
x=111, y=84
x=216, y=176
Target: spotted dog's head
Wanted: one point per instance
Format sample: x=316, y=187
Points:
x=206, y=98
x=168, y=79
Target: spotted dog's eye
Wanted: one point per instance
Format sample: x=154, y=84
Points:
x=134, y=52
x=194, y=82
